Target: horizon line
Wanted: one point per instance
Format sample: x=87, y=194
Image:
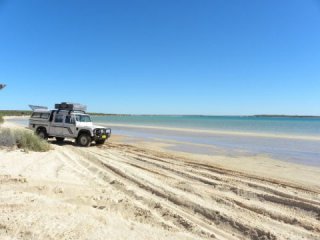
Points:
x=200, y=115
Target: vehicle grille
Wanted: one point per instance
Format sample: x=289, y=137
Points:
x=100, y=131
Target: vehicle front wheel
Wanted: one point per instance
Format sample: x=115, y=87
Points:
x=100, y=142
x=59, y=139
x=84, y=140
x=42, y=133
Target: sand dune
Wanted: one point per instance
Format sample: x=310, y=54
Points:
x=121, y=191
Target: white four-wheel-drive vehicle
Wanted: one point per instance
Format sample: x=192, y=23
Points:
x=68, y=120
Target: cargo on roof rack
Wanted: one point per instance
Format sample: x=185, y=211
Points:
x=71, y=106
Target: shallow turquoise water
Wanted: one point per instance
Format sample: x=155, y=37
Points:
x=287, y=125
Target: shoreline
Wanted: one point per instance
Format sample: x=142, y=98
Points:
x=260, y=165
x=281, y=148
x=214, y=132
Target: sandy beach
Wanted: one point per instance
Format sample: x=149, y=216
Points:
x=140, y=190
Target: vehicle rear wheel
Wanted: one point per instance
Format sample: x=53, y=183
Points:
x=59, y=139
x=100, y=142
x=42, y=133
x=84, y=140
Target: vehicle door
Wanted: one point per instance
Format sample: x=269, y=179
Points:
x=69, y=126
x=57, y=125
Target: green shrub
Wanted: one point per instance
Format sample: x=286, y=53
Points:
x=22, y=139
x=1, y=119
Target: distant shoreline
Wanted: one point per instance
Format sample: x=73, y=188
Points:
x=284, y=116
x=28, y=112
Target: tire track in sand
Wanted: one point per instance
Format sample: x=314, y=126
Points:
x=124, y=164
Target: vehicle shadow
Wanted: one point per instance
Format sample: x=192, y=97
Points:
x=69, y=143
x=63, y=143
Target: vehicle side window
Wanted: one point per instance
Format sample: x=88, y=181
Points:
x=40, y=115
x=58, y=119
x=36, y=115
x=83, y=118
x=45, y=115
x=69, y=119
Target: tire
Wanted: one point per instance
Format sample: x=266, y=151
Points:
x=100, y=142
x=59, y=139
x=42, y=133
x=84, y=140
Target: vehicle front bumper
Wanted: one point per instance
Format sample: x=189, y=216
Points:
x=101, y=133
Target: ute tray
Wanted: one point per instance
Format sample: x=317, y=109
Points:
x=71, y=106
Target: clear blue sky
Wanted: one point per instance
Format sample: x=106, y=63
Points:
x=162, y=56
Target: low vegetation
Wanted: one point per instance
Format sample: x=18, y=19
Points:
x=15, y=112
x=23, y=139
x=1, y=119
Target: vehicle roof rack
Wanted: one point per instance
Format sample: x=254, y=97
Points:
x=71, y=107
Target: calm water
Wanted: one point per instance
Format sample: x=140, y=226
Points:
x=287, y=126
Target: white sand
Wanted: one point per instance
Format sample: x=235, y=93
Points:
x=139, y=191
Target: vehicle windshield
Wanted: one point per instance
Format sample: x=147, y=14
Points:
x=83, y=118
